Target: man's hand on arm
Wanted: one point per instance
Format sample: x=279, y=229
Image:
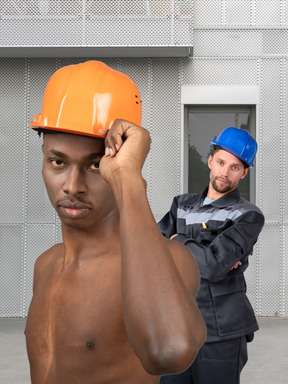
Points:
x=236, y=265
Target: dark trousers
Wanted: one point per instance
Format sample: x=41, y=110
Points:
x=216, y=363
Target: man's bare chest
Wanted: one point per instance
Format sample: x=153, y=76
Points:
x=75, y=312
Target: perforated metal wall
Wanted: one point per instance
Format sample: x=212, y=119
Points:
x=235, y=43
x=245, y=42
x=95, y=23
x=28, y=224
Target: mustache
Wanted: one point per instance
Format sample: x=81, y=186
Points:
x=222, y=178
x=72, y=200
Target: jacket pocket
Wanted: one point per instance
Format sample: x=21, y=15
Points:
x=233, y=311
x=207, y=235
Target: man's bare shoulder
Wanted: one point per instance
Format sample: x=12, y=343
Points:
x=49, y=254
x=45, y=259
x=186, y=265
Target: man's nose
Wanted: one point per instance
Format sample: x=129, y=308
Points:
x=75, y=182
x=225, y=171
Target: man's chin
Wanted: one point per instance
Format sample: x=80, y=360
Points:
x=221, y=189
x=224, y=190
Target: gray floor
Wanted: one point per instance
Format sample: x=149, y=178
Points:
x=268, y=354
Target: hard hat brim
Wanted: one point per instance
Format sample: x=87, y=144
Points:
x=37, y=127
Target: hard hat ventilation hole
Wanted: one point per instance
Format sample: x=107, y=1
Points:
x=137, y=102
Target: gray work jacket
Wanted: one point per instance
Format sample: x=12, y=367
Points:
x=218, y=234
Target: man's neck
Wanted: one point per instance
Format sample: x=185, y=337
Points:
x=79, y=244
x=215, y=195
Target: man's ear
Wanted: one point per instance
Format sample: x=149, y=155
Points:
x=245, y=172
x=209, y=161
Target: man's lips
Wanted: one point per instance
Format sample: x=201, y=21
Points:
x=75, y=210
x=222, y=181
x=76, y=205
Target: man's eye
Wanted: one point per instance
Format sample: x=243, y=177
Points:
x=57, y=162
x=95, y=165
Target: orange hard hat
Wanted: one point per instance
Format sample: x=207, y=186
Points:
x=87, y=97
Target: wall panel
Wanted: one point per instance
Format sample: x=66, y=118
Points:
x=271, y=144
x=12, y=140
x=165, y=133
x=12, y=270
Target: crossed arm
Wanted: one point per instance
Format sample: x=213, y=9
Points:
x=226, y=251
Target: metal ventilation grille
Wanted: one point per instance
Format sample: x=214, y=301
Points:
x=95, y=23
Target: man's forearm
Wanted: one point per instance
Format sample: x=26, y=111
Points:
x=159, y=314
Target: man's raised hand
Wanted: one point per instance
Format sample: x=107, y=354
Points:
x=126, y=148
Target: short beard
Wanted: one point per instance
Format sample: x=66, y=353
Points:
x=222, y=190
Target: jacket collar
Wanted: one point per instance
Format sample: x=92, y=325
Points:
x=228, y=199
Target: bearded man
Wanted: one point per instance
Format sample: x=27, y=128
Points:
x=220, y=228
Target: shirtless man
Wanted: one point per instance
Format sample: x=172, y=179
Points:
x=115, y=302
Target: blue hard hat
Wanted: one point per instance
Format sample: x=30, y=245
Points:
x=238, y=142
